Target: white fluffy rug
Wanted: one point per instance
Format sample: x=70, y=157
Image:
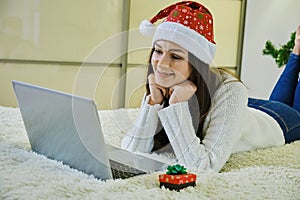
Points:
x=272, y=173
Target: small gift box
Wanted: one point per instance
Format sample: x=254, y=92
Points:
x=177, y=178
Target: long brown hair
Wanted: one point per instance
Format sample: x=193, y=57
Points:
x=206, y=82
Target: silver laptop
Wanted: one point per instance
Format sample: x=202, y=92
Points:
x=67, y=128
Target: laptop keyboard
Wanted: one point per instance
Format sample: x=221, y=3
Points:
x=123, y=171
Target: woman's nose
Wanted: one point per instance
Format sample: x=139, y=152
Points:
x=164, y=60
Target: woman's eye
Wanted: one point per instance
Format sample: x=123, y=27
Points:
x=158, y=51
x=176, y=57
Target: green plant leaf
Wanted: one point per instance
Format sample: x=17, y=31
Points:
x=270, y=49
x=281, y=54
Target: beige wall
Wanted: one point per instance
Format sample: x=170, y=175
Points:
x=45, y=43
x=275, y=23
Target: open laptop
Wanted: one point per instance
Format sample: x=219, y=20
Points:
x=67, y=128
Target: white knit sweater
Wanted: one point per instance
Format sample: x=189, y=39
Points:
x=230, y=127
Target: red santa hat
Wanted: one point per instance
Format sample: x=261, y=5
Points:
x=188, y=24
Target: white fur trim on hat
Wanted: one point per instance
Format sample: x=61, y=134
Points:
x=186, y=38
x=147, y=28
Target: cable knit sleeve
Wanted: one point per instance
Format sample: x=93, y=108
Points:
x=140, y=137
x=222, y=127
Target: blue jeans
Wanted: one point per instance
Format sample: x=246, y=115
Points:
x=284, y=102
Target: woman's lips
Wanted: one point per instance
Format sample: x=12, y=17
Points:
x=165, y=74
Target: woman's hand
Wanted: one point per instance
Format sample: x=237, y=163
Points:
x=182, y=92
x=157, y=92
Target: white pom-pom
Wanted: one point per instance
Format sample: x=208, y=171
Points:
x=147, y=28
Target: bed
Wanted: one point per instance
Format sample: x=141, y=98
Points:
x=272, y=173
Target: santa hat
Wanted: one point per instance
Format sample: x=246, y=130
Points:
x=188, y=24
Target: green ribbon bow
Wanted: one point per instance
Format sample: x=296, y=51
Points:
x=176, y=169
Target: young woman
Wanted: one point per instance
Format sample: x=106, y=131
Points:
x=203, y=114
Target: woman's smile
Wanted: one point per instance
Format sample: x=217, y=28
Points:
x=165, y=74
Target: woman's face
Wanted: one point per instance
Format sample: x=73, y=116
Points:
x=170, y=64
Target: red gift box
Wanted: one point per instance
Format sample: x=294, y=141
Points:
x=177, y=181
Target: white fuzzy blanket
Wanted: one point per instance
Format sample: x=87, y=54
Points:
x=272, y=173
